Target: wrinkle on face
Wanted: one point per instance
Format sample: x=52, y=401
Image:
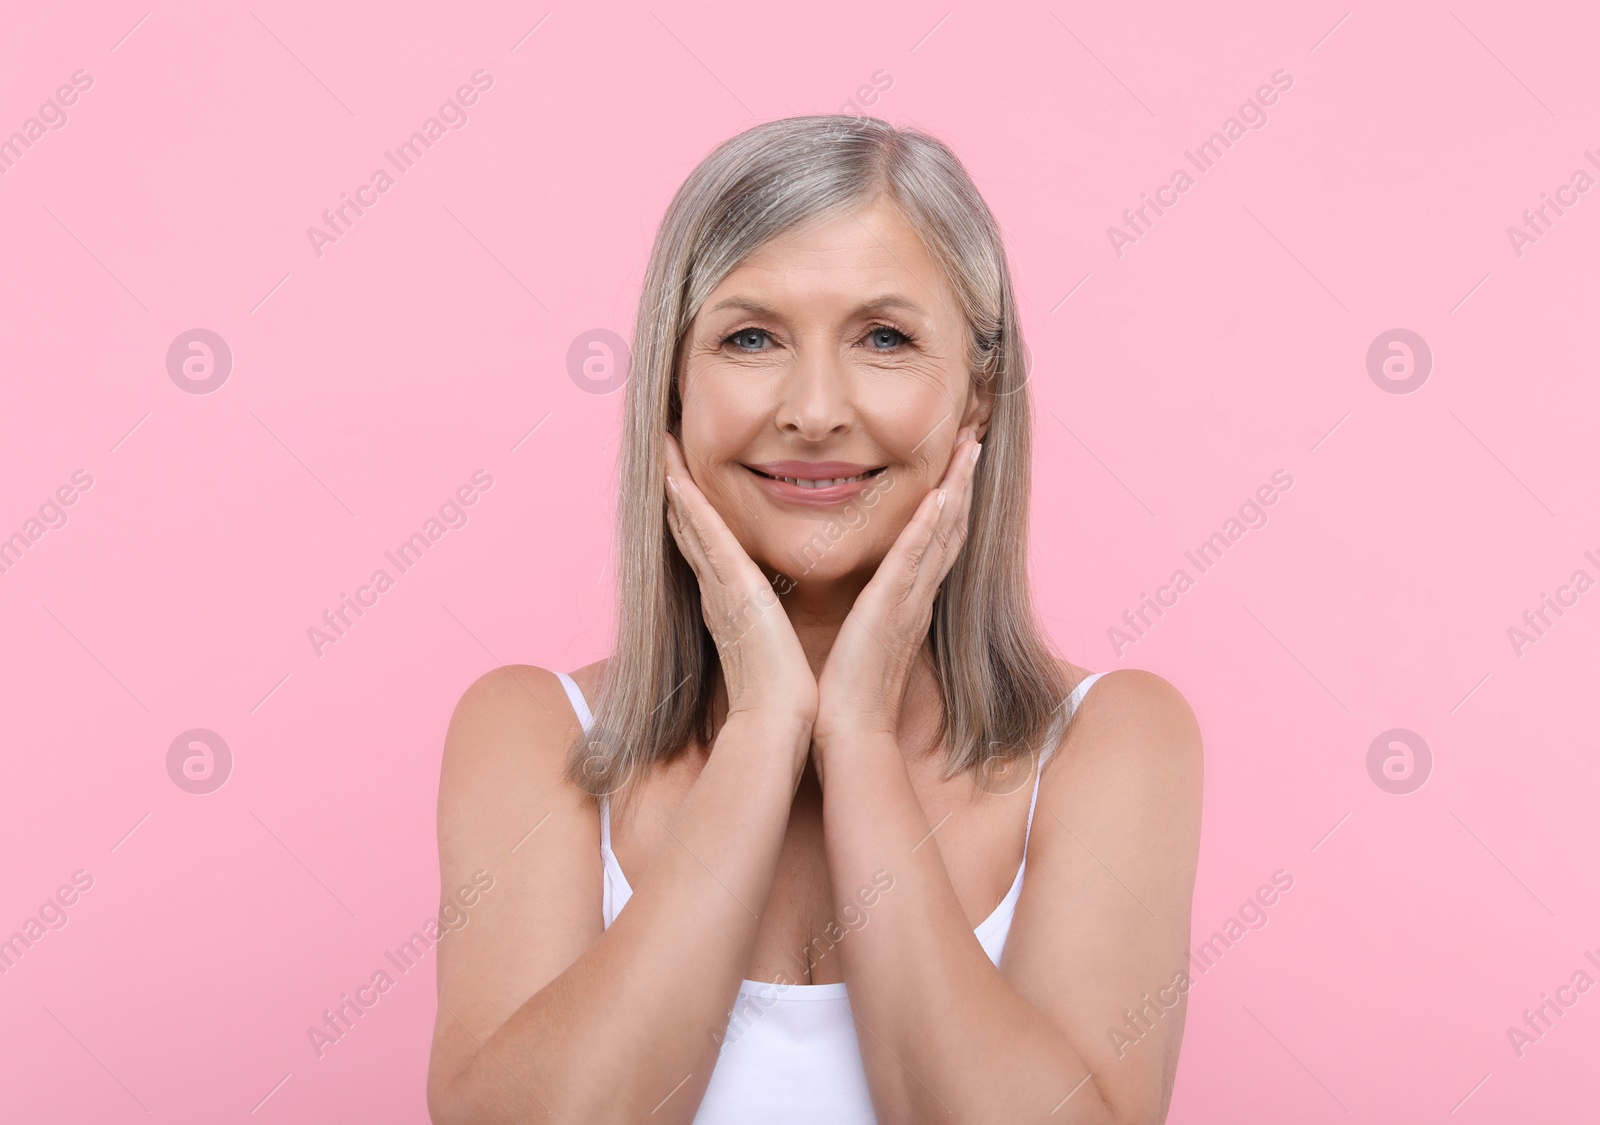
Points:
x=812, y=378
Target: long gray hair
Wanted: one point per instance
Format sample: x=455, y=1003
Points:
x=1000, y=683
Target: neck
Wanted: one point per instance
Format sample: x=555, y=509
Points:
x=817, y=611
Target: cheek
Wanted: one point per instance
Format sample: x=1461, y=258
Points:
x=909, y=418
x=895, y=509
x=723, y=410
x=716, y=432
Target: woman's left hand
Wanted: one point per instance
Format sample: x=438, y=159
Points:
x=864, y=680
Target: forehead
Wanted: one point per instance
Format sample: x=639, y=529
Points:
x=869, y=249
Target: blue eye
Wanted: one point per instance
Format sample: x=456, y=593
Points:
x=882, y=328
x=744, y=333
x=886, y=335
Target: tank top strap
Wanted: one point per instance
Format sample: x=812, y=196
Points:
x=575, y=697
x=1069, y=708
x=580, y=705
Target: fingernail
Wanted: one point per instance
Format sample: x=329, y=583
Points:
x=672, y=482
x=976, y=449
x=941, y=497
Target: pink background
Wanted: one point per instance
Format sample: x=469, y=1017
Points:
x=368, y=384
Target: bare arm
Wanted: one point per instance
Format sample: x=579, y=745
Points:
x=1103, y=919
x=542, y=1014
x=1101, y=930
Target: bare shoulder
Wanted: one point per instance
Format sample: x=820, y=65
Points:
x=511, y=688
x=503, y=768
x=513, y=826
x=1104, y=912
x=511, y=722
x=1133, y=745
x=1135, y=716
x=523, y=698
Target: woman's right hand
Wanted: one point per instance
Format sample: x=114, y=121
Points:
x=764, y=668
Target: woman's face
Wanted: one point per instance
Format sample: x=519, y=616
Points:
x=835, y=351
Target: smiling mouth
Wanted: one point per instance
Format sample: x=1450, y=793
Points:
x=830, y=482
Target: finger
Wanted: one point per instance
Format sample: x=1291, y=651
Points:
x=681, y=519
x=916, y=564
x=949, y=532
x=707, y=532
x=897, y=576
x=962, y=519
x=724, y=556
x=682, y=528
x=711, y=521
x=932, y=561
x=938, y=514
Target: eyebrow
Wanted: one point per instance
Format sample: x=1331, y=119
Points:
x=877, y=304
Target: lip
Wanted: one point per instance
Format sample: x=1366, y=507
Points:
x=812, y=470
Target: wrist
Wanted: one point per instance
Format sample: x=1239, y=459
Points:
x=852, y=740
x=785, y=735
x=845, y=751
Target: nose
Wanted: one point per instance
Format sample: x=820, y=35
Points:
x=815, y=396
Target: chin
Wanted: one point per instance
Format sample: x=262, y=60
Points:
x=806, y=565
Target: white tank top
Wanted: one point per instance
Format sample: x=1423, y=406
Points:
x=790, y=1053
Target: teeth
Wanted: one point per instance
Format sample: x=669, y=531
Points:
x=822, y=483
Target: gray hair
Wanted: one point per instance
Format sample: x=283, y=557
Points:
x=1000, y=683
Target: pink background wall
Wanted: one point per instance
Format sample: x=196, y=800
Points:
x=430, y=342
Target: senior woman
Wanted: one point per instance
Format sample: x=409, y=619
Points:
x=791, y=853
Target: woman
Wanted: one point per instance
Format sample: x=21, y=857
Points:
x=771, y=876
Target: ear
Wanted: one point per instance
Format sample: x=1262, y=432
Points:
x=980, y=403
